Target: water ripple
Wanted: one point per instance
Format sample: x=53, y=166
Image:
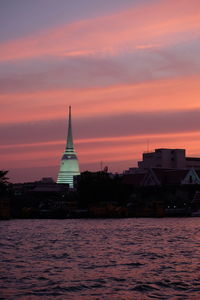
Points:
x=100, y=259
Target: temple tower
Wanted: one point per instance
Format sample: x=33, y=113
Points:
x=69, y=166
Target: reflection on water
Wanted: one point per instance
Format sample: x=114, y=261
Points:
x=100, y=259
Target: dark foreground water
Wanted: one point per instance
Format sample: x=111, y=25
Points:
x=100, y=259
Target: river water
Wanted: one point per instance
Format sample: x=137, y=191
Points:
x=100, y=259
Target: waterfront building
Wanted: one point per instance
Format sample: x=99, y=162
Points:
x=163, y=177
x=168, y=159
x=69, y=166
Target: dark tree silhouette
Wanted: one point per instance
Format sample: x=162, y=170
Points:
x=3, y=181
x=3, y=178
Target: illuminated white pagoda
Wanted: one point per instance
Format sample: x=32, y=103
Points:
x=69, y=166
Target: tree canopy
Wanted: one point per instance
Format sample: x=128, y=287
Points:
x=3, y=178
x=3, y=181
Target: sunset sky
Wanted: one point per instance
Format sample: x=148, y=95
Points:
x=130, y=70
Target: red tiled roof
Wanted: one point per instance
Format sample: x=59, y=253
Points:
x=175, y=176
x=169, y=176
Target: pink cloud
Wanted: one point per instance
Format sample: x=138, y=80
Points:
x=119, y=149
x=165, y=111
x=153, y=24
x=156, y=95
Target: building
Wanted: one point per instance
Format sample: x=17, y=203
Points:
x=44, y=186
x=168, y=159
x=163, y=177
x=69, y=166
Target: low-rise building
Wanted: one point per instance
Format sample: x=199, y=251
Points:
x=168, y=159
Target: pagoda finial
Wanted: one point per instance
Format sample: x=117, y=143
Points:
x=70, y=145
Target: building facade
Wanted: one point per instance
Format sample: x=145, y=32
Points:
x=168, y=159
x=69, y=166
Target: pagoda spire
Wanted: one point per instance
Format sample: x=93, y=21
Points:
x=69, y=166
x=70, y=145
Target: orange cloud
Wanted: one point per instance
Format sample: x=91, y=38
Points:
x=112, y=149
x=141, y=138
x=157, y=95
x=143, y=26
